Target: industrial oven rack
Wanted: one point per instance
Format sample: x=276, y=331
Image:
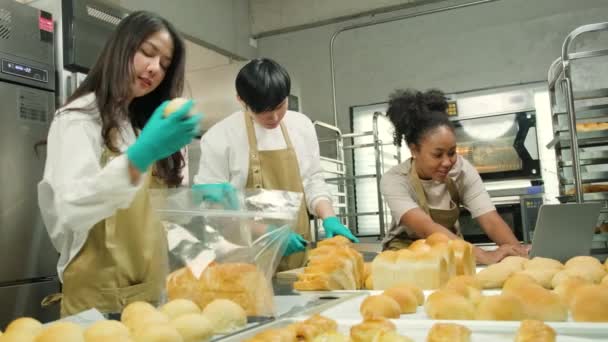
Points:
x=345, y=177
x=578, y=91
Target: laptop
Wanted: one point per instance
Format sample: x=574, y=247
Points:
x=564, y=231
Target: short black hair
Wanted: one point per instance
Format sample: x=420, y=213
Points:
x=263, y=84
x=414, y=113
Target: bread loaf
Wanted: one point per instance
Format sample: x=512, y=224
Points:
x=534, y=331
x=239, y=282
x=448, y=332
x=427, y=269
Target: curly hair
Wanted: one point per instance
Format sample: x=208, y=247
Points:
x=414, y=113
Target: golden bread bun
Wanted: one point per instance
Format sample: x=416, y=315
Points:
x=106, y=330
x=534, y=331
x=449, y=304
x=193, y=327
x=390, y=336
x=543, y=276
x=174, y=105
x=568, y=287
x=503, y=307
x=404, y=297
x=414, y=289
x=448, y=332
x=326, y=324
x=178, y=307
x=26, y=324
x=136, y=309
x=539, y=262
x=145, y=320
x=158, y=333
x=540, y=303
x=516, y=280
x=225, y=316
x=332, y=337
x=590, y=304
x=61, y=331
x=466, y=286
x=18, y=336
x=369, y=328
x=589, y=271
x=582, y=260
x=516, y=261
x=274, y=335
x=494, y=276
x=437, y=238
x=380, y=306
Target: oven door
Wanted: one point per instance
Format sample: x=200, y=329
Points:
x=510, y=213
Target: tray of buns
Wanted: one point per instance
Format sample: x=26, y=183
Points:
x=380, y=329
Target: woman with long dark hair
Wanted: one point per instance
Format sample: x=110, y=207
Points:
x=424, y=192
x=107, y=146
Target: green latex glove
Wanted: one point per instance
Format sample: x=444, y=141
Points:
x=296, y=243
x=161, y=137
x=333, y=226
x=223, y=193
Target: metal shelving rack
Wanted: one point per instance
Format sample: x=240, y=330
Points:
x=576, y=100
x=345, y=177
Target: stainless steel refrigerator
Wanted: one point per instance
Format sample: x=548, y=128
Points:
x=27, y=102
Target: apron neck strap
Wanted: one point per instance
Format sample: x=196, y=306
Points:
x=419, y=190
x=253, y=141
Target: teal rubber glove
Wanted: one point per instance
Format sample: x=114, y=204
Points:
x=333, y=227
x=163, y=136
x=295, y=243
x=223, y=193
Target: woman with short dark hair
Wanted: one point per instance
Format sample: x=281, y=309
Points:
x=106, y=147
x=424, y=192
x=267, y=146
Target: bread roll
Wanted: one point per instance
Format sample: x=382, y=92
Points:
x=193, y=327
x=158, y=333
x=136, y=310
x=406, y=299
x=466, y=286
x=588, y=271
x=26, y=324
x=540, y=303
x=567, y=288
x=18, y=336
x=313, y=327
x=380, y=306
x=332, y=267
x=225, y=316
x=534, y=331
x=543, y=263
x=326, y=324
x=516, y=280
x=494, y=276
x=590, y=304
x=449, y=304
x=239, y=282
x=448, y=332
x=369, y=328
x=107, y=330
x=582, y=260
x=543, y=276
x=174, y=105
x=503, y=307
x=414, y=289
x=517, y=261
x=146, y=320
x=390, y=336
x=274, y=335
x=61, y=331
x=332, y=337
x=178, y=307
x=437, y=238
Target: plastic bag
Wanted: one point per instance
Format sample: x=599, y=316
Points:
x=226, y=253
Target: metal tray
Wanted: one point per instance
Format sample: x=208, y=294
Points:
x=587, y=178
x=589, y=112
x=585, y=139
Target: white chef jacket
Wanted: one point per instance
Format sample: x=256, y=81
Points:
x=225, y=153
x=76, y=192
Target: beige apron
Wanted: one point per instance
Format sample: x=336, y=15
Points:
x=123, y=260
x=278, y=170
x=444, y=217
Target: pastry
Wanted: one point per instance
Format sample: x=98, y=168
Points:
x=369, y=328
x=193, y=327
x=534, y=331
x=178, y=307
x=590, y=304
x=449, y=304
x=406, y=299
x=225, y=316
x=448, y=332
x=503, y=307
x=380, y=306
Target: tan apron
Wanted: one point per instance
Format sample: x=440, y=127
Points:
x=445, y=217
x=278, y=170
x=123, y=260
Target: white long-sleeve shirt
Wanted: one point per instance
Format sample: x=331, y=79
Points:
x=76, y=192
x=225, y=153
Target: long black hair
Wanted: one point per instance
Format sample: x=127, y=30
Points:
x=415, y=113
x=263, y=84
x=111, y=77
